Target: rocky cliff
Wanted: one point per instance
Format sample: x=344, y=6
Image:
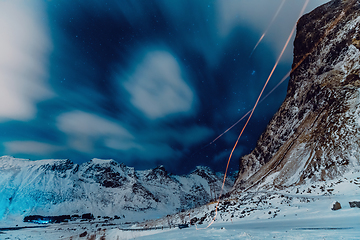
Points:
x=101, y=187
x=315, y=135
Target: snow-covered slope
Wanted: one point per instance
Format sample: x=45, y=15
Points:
x=315, y=135
x=298, y=212
x=302, y=205
x=100, y=187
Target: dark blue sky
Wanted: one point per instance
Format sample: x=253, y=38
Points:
x=143, y=82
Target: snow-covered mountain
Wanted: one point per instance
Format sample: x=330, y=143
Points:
x=100, y=187
x=315, y=135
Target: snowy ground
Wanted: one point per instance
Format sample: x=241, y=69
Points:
x=321, y=228
x=341, y=225
x=299, y=213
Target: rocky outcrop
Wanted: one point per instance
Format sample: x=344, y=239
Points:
x=336, y=206
x=315, y=135
x=354, y=204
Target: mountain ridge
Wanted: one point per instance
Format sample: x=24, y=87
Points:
x=102, y=187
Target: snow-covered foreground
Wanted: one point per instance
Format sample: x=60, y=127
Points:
x=314, y=221
x=311, y=220
x=341, y=225
x=321, y=228
x=301, y=212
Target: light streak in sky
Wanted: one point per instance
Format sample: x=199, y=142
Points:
x=267, y=29
x=262, y=99
x=251, y=113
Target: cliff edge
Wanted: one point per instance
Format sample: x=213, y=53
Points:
x=315, y=135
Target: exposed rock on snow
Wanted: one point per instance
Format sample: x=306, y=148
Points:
x=336, y=206
x=355, y=204
x=102, y=187
x=306, y=201
x=315, y=135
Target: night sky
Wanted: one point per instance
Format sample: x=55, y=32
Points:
x=144, y=82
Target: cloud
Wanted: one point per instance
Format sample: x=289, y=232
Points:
x=184, y=136
x=25, y=48
x=224, y=155
x=235, y=13
x=98, y=135
x=152, y=151
x=86, y=130
x=168, y=143
x=157, y=87
x=192, y=135
x=30, y=147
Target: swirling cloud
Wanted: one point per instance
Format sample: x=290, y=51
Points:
x=31, y=148
x=86, y=130
x=157, y=87
x=24, y=48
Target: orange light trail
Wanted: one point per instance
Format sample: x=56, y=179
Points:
x=271, y=91
x=267, y=29
x=251, y=113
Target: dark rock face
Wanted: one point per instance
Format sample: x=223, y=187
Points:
x=315, y=134
x=158, y=174
x=60, y=167
x=110, y=174
x=355, y=204
x=336, y=206
x=205, y=173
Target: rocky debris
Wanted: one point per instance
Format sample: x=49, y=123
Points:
x=88, y=216
x=251, y=205
x=301, y=201
x=336, y=206
x=315, y=135
x=355, y=204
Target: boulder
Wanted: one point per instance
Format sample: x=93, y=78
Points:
x=355, y=204
x=336, y=206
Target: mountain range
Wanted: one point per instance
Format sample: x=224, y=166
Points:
x=100, y=187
